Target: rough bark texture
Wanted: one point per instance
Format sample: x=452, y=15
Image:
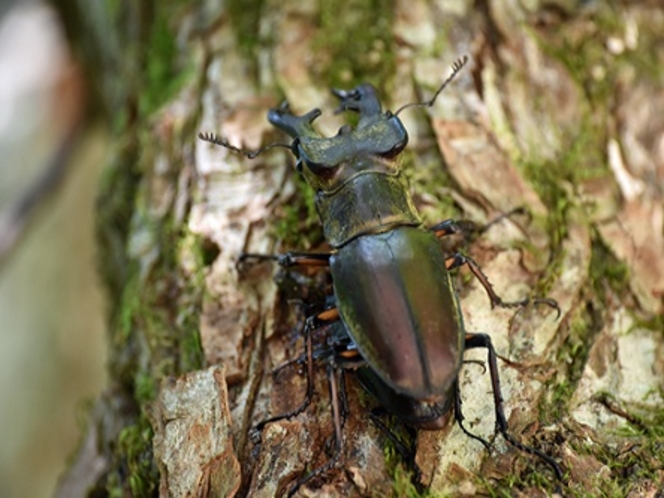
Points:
x=560, y=111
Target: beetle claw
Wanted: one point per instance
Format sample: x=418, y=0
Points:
x=549, y=302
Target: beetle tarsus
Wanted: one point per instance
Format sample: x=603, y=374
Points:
x=459, y=418
x=468, y=227
x=246, y=259
x=549, y=302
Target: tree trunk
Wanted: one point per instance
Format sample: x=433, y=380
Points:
x=559, y=111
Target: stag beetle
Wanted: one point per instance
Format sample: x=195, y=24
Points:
x=401, y=325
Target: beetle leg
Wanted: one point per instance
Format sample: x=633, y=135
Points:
x=335, y=395
x=337, y=403
x=289, y=259
x=451, y=226
x=484, y=341
x=498, y=219
x=310, y=324
x=310, y=385
x=458, y=259
x=459, y=418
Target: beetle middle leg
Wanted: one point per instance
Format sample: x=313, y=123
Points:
x=484, y=341
x=457, y=260
x=450, y=227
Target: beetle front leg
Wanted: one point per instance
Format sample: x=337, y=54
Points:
x=451, y=226
x=484, y=341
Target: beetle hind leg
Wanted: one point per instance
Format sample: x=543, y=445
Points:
x=310, y=385
x=336, y=381
x=311, y=323
x=338, y=398
x=484, y=341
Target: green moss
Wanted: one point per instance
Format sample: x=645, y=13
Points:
x=403, y=484
x=654, y=323
x=245, y=17
x=150, y=342
x=398, y=468
x=360, y=48
x=136, y=476
x=632, y=453
x=571, y=358
x=577, y=46
x=163, y=73
x=155, y=270
x=607, y=271
x=297, y=225
x=547, y=182
x=555, y=181
x=536, y=475
x=423, y=171
x=117, y=191
x=145, y=389
x=172, y=339
x=583, y=328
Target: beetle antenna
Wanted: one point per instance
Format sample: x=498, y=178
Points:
x=251, y=154
x=456, y=67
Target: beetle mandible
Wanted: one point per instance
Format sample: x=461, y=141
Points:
x=393, y=294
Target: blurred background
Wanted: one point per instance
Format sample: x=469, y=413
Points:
x=52, y=314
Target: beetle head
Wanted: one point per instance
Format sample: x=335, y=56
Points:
x=372, y=145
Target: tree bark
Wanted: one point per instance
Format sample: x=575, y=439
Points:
x=559, y=111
